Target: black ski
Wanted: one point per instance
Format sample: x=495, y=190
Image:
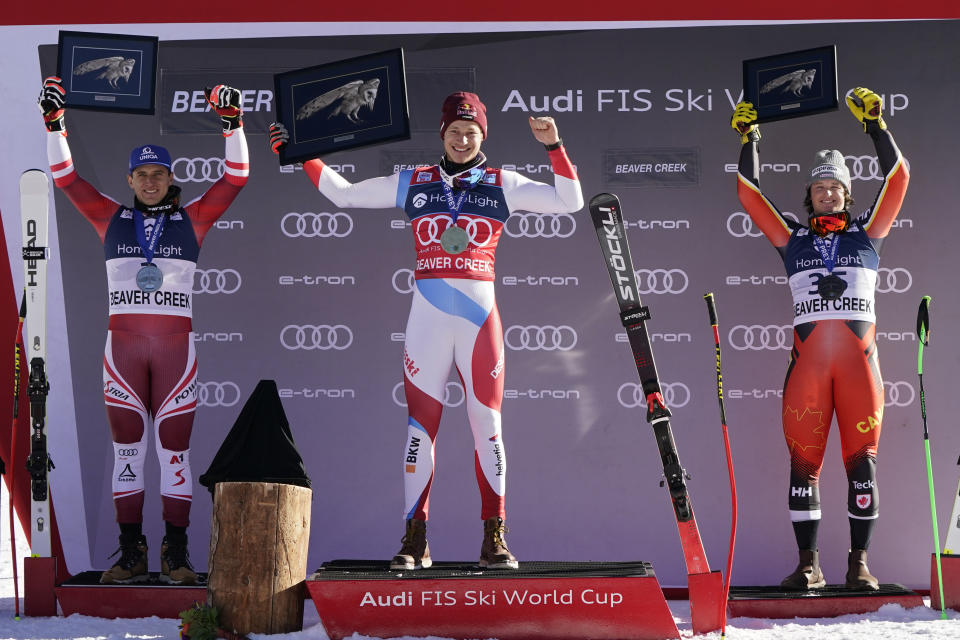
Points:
x=608, y=221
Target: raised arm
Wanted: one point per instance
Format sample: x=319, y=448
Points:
x=93, y=205
x=564, y=196
x=206, y=209
x=373, y=193
x=761, y=210
x=867, y=107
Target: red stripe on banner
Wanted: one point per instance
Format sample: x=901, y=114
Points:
x=188, y=11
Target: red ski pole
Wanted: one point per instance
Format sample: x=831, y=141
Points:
x=712, y=309
x=17, y=352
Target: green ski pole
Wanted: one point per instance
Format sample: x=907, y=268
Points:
x=923, y=332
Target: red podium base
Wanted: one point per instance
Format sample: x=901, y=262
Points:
x=540, y=600
x=84, y=594
x=832, y=601
x=39, y=578
x=705, y=592
x=950, y=566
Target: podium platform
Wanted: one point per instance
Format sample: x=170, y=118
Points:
x=84, y=594
x=539, y=600
x=831, y=601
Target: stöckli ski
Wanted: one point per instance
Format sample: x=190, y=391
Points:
x=607, y=218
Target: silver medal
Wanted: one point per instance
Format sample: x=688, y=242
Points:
x=454, y=240
x=149, y=277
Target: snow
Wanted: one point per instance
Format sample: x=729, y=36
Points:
x=891, y=622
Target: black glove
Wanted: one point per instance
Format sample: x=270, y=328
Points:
x=51, y=101
x=279, y=136
x=226, y=102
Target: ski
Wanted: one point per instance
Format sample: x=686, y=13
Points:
x=608, y=221
x=34, y=197
x=951, y=545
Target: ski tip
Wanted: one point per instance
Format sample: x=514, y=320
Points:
x=600, y=198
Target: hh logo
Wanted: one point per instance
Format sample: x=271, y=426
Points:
x=864, y=500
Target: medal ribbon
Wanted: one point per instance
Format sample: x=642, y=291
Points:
x=828, y=250
x=148, y=248
x=454, y=206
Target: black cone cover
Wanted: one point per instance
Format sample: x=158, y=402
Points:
x=259, y=447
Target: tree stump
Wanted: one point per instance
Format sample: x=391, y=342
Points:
x=258, y=556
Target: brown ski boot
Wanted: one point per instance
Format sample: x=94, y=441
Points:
x=132, y=565
x=807, y=575
x=858, y=575
x=415, y=552
x=494, y=553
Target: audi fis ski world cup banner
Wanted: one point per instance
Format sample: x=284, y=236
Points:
x=292, y=288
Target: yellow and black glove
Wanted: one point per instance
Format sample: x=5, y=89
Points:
x=51, y=101
x=866, y=106
x=744, y=121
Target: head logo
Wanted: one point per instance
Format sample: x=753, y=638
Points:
x=675, y=394
x=537, y=338
x=540, y=225
x=198, y=169
x=316, y=225
x=758, y=337
x=316, y=337
x=226, y=281
x=453, y=395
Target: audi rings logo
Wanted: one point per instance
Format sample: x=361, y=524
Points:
x=197, y=169
x=216, y=281
x=540, y=225
x=898, y=394
x=316, y=225
x=478, y=230
x=545, y=338
x=864, y=167
x=739, y=224
x=760, y=337
x=453, y=395
x=403, y=281
x=311, y=337
x=896, y=280
x=675, y=394
x=661, y=281
x=127, y=452
x=217, y=394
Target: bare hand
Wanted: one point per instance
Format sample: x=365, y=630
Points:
x=544, y=129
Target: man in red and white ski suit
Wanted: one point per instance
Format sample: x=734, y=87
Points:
x=149, y=365
x=457, y=210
